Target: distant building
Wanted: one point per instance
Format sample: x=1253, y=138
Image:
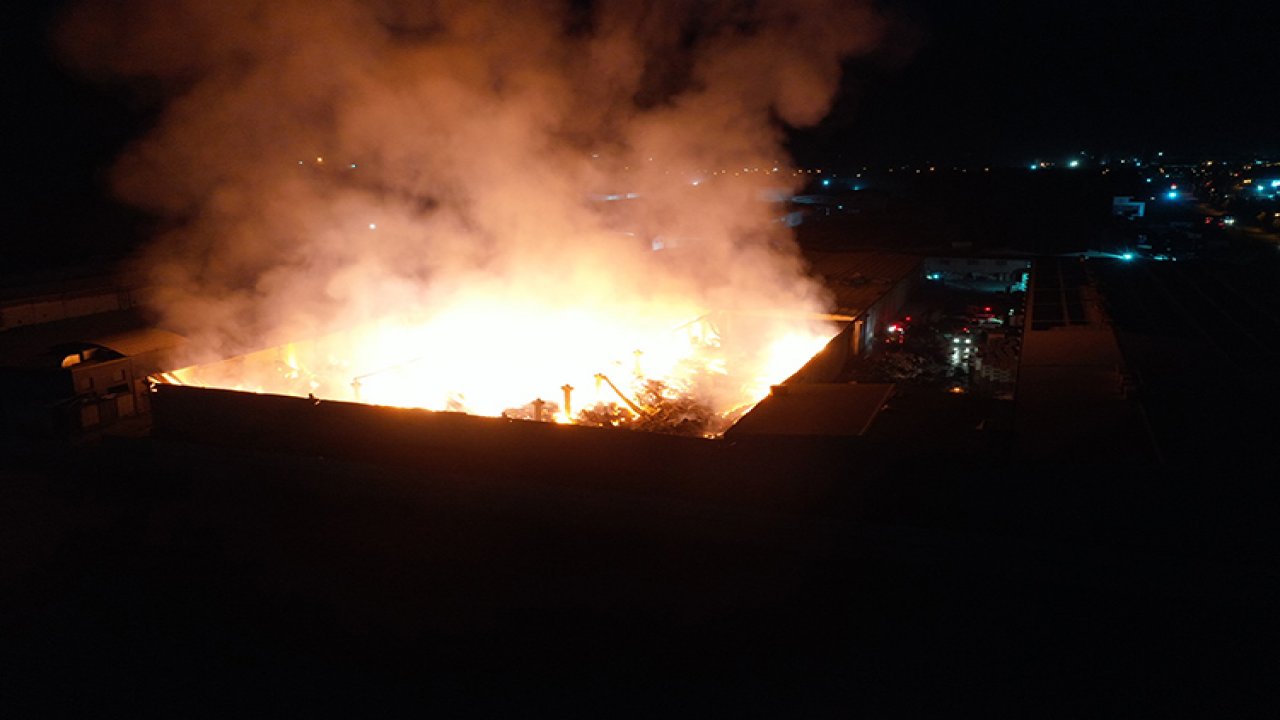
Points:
x=990, y=274
x=65, y=300
x=1125, y=206
x=1072, y=382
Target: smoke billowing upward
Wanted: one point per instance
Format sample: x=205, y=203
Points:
x=326, y=164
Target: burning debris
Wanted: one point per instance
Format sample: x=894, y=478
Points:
x=660, y=409
x=684, y=385
x=538, y=411
x=657, y=408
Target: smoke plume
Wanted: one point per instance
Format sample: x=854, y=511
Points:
x=322, y=165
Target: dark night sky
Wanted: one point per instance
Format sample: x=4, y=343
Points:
x=974, y=82
x=61, y=135
x=1010, y=81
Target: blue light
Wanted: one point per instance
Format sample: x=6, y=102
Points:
x=1172, y=194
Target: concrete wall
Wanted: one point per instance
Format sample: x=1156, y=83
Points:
x=858, y=337
x=885, y=311
x=633, y=467
x=831, y=361
x=397, y=435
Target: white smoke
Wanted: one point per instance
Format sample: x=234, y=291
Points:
x=327, y=164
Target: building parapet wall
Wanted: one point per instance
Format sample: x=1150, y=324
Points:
x=21, y=312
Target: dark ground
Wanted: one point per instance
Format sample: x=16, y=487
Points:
x=881, y=580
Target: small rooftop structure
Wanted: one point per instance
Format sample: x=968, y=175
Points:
x=85, y=384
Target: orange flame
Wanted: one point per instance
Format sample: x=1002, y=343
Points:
x=485, y=358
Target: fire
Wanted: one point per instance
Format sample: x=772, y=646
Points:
x=471, y=206
x=485, y=356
